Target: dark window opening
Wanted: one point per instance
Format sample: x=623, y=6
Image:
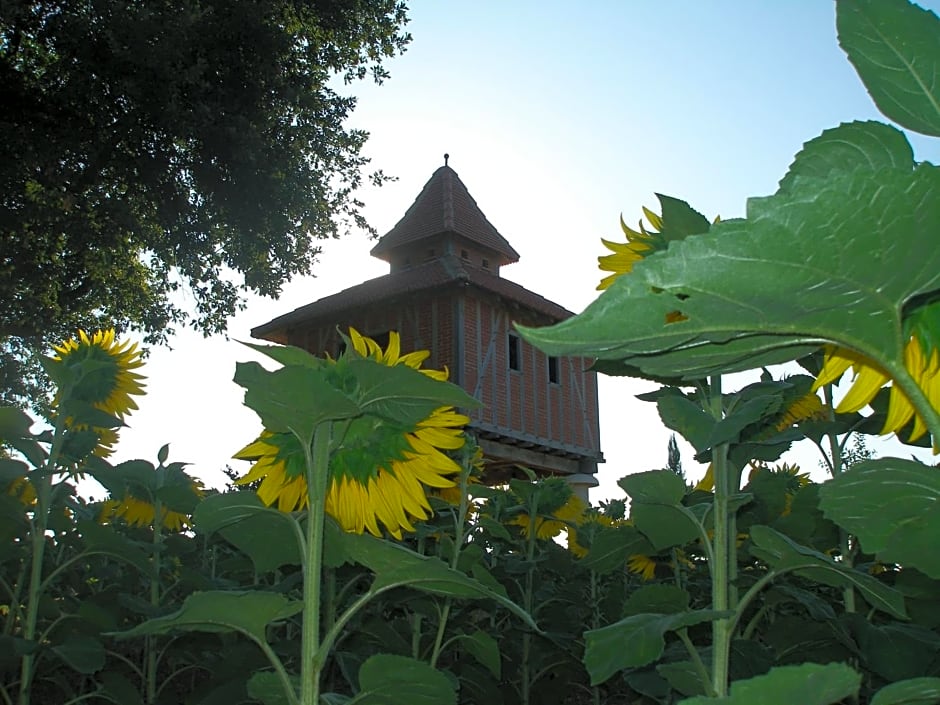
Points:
x=515, y=356
x=486, y=263
x=553, y=370
x=431, y=253
x=464, y=254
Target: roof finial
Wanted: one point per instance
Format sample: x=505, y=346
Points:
x=446, y=157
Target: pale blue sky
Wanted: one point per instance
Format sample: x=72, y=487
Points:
x=558, y=117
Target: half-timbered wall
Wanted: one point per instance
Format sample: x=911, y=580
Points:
x=470, y=336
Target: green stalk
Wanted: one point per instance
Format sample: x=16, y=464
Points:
x=915, y=394
x=459, y=538
x=595, y=624
x=835, y=452
x=150, y=645
x=318, y=473
x=723, y=544
x=38, y=526
x=527, y=600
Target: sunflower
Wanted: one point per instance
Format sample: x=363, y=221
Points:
x=642, y=565
x=639, y=244
x=548, y=526
x=583, y=532
x=102, y=375
x=140, y=512
x=922, y=362
x=378, y=469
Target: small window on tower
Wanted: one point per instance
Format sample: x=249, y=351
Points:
x=515, y=356
x=486, y=263
x=464, y=254
x=553, y=370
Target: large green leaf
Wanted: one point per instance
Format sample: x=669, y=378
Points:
x=247, y=612
x=798, y=272
x=895, y=47
x=870, y=144
x=612, y=546
x=81, y=652
x=292, y=399
x=395, y=565
x=656, y=508
x=635, y=641
x=386, y=679
x=654, y=487
x=914, y=691
x=784, y=555
x=268, y=536
x=806, y=684
x=485, y=649
x=401, y=393
x=893, y=507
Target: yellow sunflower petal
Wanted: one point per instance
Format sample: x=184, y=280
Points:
x=863, y=390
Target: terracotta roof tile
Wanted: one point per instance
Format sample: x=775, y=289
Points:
x=445, y=206
x=436, y=274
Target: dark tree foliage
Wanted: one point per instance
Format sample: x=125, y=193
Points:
x=154, y=152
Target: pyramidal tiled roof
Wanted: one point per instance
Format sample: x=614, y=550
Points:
x=444, y=206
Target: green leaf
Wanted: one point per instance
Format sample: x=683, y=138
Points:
x=664, y=526
x=293, y=399
x=654, y=487
x=612, y=546
x=266, y=535
x=84, y=654
x=119, y=689
x=14, y=429
x=635, y=641
x=485, y=649
x=402, y=393
x=893, y=507
x=851, y=144
x=896, y=651
x=385, y=679
x=765, y=290
x=683, y=676
x=784, y=555
x=806, y=684
x=895, y=47
x=267, y=687
x=658, y=599
x=247, y=612
x=104, y=539
x=914, y=691
x=679, y=219
x=396, y=565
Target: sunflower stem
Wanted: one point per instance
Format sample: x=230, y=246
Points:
x=38, y=525
x=317, y=456
x=721, y=572
x=835, y=452
x=151, y=641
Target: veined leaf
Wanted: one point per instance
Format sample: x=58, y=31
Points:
x=386, y=679
x=797, y=273
x=247, y=612
x=870, y=144
x=807, y=684
x=893, y=507
x=895, y=47
x=914, y=691
x=783, y=554
x=635, y=641
x=266, y=535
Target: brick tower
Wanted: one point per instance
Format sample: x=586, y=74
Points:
x=444, y=293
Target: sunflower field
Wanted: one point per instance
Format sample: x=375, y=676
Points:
x=362, y=560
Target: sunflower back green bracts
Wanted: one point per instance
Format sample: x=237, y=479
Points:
x=392, y=426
